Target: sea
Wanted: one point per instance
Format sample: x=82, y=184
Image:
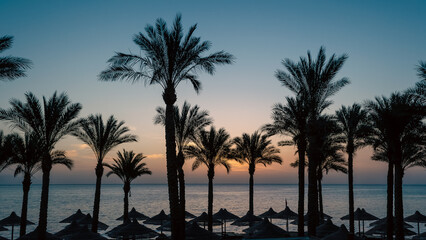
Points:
x=150, y=199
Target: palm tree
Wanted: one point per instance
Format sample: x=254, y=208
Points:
x=4, y=158
x=101, y=138
x=187, y=123
x=290, y=120
x=49, y=123
x=128, y=166
x=255, y=149
x=211, y=148
x=312, y=81
x=391, y=119
x=170, y=58
x=354, y=127
x=26, y=155
x=421, y=70
x=11, y=68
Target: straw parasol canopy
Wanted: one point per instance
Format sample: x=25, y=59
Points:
x=265, y=229
x=268, y=214
x=418, y=218
x=85, y=234
x=287, y=214
x=75, y=217
x=224, y=215
x=326, y=228
x=87, y=220
x=341, y=234
x=246, y=220
x=158, y=219
x=382, y=229
x=34, y=236
x=13, y=220
x=361, y=215
x=132, y=229
x=384, y=220
x=195, y=232
x=133, y=214
x=70, y=229
x=189, y=215
x=306, y=218
x=204, y=218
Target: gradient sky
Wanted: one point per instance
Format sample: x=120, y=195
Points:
x=70, y=42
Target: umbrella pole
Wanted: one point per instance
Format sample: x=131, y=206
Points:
x=287, y=224
x=161, y=226
x=225, y=227
x=418, y=227
x=363, y=227
x=12, y=230
x=221, y=227
x=359, y=227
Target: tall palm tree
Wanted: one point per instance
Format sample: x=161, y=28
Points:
x=255, y=149
x=25, y=154
x=11, y=68
x=170, y=58
x=211, y=148
x=49, y=122
x=187, y=123
x=101, y=138
x=4, y=158
x=354, y=126
x=392, y=118
x=128, y=166
x=290, y=120
x=421, y=70
x=312, y=80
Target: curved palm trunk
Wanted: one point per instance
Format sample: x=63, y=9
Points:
x=351, y=192
x=251, y=189
x=99, y=170
x=301, y=203
x=399, y=210
x=169, y=97
x=182, y=199
x=210, y=175
x=126, y=190
x=26, y=184
x=42, y=221
x=389, y=207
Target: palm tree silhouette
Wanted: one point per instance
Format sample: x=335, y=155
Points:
x=49, y=123
x=312, y=81
x=392, y=119
x=11, y=68
x=255, y=149
x=211, y=148
x=187, y=123
x=4, y=150
x=354, y=126
x=101, y=138
x=170, y=58
x=128, y=166
x=25, y=154
x=290, y=120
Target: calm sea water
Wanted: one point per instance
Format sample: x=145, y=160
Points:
x=64, y=200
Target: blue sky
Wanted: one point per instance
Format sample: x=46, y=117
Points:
x=70, y=41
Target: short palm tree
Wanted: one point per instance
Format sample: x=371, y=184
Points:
x=25, y=154
x=170, y=58
x=391, y=119
x=128, y=166
x=101, y=138
x=211, y=148
x=49, y=122
x=354, y=126
x=255, y=149
x=11, y=68
x=312, y=80
x=188, y=122
x=290, y=120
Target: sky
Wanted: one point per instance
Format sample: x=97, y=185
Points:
x=69, y=43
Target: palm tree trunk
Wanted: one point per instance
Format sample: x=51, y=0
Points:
x=301, y=203
x=389, y=207
x=251, y=189
x=126, y=189
x=314, y=159
x=169, y=97
x=99, y=170
x=182, y=199
x=210, y=175
x=351, y=192
x=399, y=210
x=42, y=221
x=321, y=208
x=26, y=184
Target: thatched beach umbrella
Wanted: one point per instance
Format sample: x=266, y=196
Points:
x=189, y=215
x=195, y=232
x=326, y=228
x=34, y=236
x=133, y=214
x=341, y=234
x=268, y=214
x=265, y=229
x=287, y=214
x=85, y=234
x=133, y=229
x=158, y=219
x=87, y=220
x=361, y=215
x=204, y=218
x=224, y=215
x=382, y=230
x=75, y=217
x=13, y=220
x=70, y=229
x=384, y=220
x=246, y=220
x=418, y=218
x=306, y=218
